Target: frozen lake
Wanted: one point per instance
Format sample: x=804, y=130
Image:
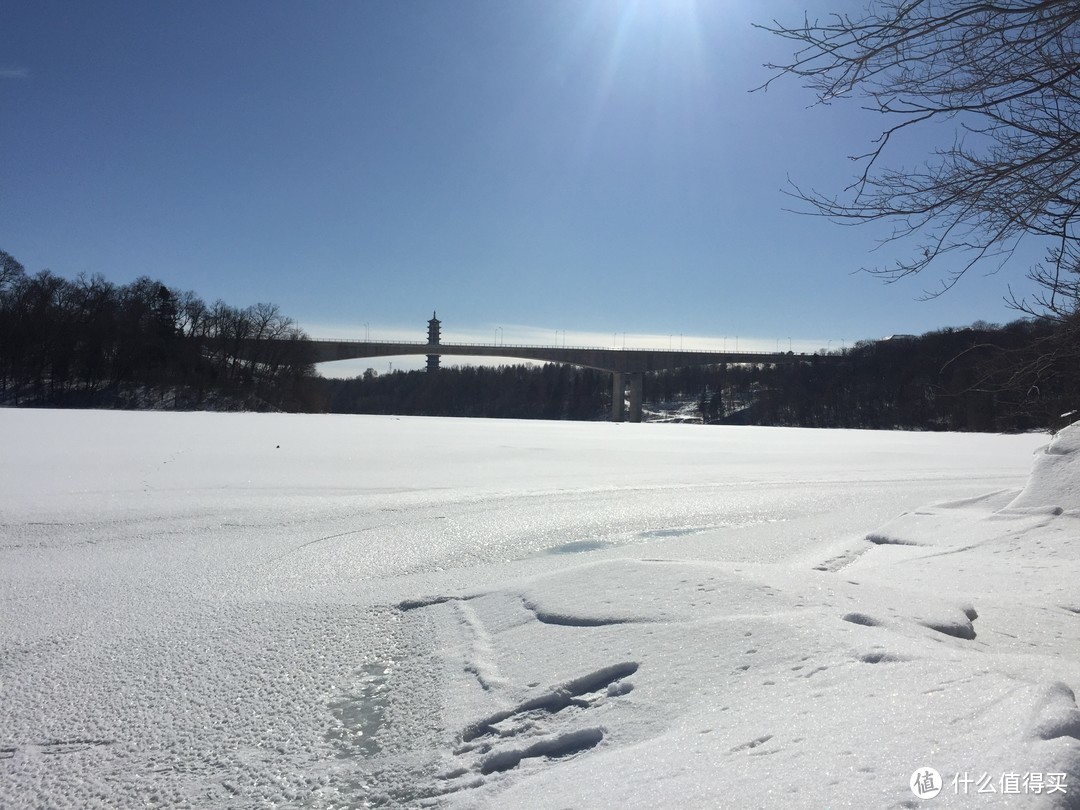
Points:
x=342, y=611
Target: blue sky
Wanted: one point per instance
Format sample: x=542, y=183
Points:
x=588, y=167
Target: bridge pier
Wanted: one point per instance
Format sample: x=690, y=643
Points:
x=618, y=397
x=637, y=392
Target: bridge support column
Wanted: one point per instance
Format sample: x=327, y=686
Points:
x=637, y=392
x=618, y=396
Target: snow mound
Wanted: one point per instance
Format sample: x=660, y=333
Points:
x=1055, y=476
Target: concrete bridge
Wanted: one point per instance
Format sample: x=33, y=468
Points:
x=625, y=365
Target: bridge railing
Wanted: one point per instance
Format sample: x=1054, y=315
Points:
x=575, y=348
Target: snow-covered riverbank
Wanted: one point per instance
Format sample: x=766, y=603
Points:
x=240, y=610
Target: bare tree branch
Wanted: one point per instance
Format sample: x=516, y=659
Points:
x=1006, y=75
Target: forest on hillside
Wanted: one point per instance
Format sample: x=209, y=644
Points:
x=89, y=343
x=980, y=378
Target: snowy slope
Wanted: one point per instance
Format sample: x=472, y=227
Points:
x=244, y=610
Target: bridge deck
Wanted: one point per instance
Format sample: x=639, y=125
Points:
x=614, y=360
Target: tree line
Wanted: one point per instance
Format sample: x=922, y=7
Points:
x=980, y=378
x=89, y=342
x=505, y=392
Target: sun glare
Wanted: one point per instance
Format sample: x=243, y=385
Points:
x=641, y=56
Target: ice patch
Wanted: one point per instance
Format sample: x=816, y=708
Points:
x=361, y=714
x=660, y=534
x=580, y=546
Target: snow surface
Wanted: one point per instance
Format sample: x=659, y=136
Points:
x=254, y=610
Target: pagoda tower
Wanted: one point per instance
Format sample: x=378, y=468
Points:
x=433, y=337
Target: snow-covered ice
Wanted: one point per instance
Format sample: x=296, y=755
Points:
x=250, y=610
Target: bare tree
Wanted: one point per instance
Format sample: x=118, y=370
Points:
x=10, y=271
x=1004, y=78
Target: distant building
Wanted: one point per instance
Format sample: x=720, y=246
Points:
x=899, y=337
x=434, y=335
